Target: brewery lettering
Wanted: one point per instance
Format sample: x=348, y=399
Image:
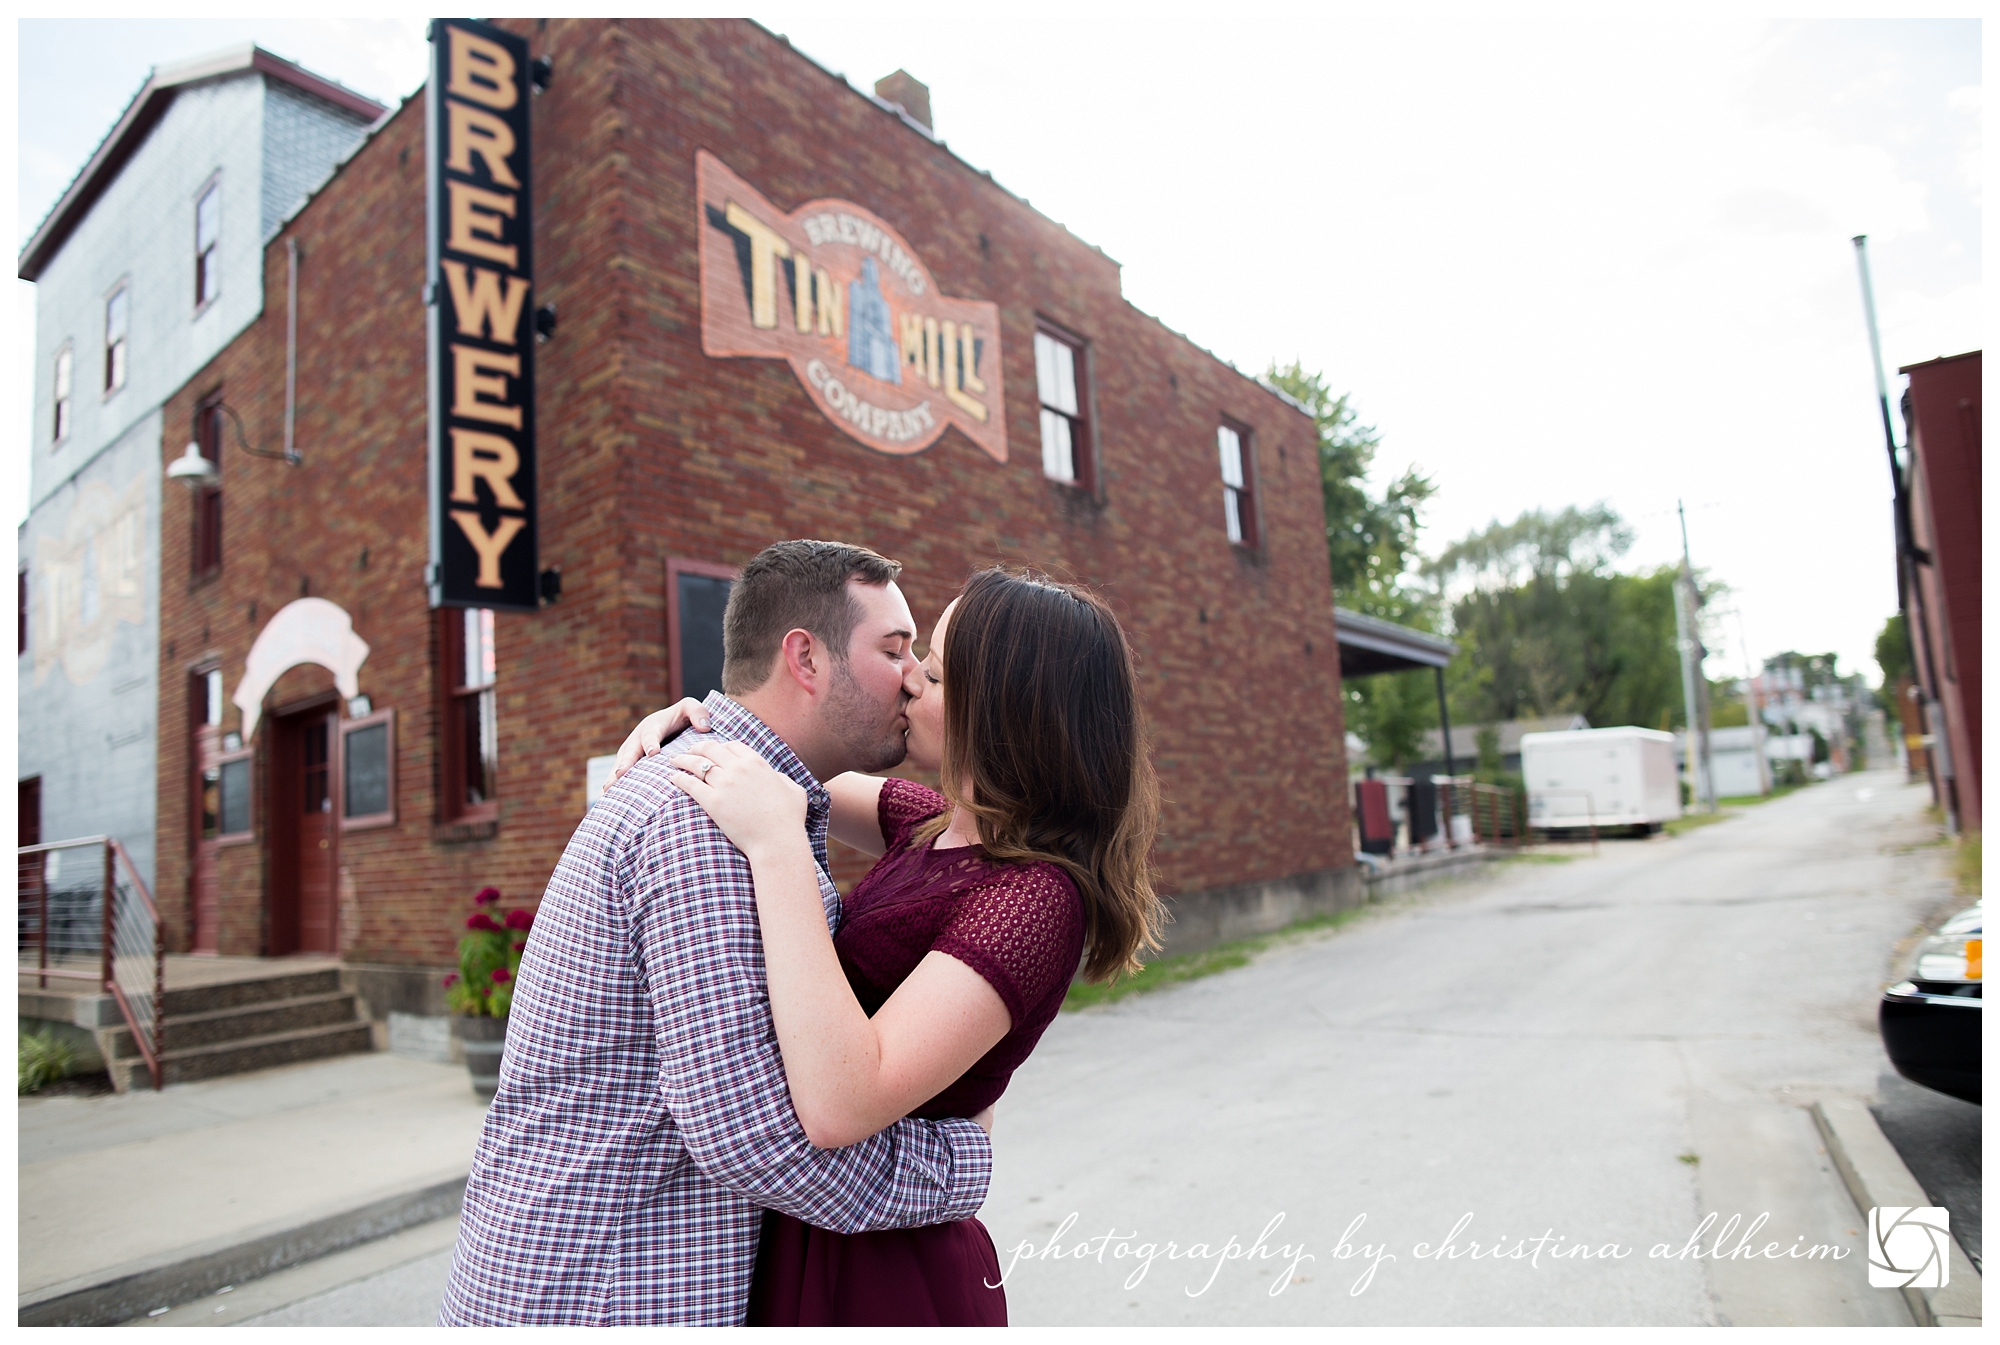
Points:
x=483, y=534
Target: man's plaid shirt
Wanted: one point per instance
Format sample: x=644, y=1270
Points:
x=643, y=1120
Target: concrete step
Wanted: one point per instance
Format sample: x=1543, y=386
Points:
x=186, y=1064
x=88, y=1008
x=197, y=999
x=245, y=1021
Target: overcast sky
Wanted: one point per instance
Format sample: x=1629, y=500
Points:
x=1555, y=262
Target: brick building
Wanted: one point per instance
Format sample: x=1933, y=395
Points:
x=150, y=263
x=1942, y=412
x=1104, y=447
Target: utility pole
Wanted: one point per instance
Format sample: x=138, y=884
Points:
x=1694, y=683
x=1756, y=709
x=1682, y=643
x=1909, y=592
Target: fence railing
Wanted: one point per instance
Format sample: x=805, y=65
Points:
x=91, y=919
x=1499, y=815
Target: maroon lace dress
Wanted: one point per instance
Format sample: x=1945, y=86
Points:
x=1021, y=927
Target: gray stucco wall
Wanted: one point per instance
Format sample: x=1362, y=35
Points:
x=89, y=680
x=141, y=231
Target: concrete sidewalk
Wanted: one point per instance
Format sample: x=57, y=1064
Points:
x=139, y=1200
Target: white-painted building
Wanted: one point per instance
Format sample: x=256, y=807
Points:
x=1732, y=754
x=147, y=266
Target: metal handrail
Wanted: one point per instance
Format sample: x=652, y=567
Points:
x=131, y=927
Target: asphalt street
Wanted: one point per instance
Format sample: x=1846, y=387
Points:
x=1600, y=1053
x=1383, y=1124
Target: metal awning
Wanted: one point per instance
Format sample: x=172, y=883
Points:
x=1370, y=645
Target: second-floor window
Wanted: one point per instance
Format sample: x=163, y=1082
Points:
x=117, y=326
x=65, y=374
x=1238, y=516
x=1065, y=435
x=205, y=547
x=471, y=737
x=208, y=245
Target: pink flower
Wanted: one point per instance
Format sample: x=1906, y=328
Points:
x=451, y=979
x=501, y=975
x=519, y=920
x=481, y=921
x=487, y=896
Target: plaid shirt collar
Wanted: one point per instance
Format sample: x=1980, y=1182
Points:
x=727, y=719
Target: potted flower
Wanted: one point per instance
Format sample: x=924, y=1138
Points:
x=482, y=989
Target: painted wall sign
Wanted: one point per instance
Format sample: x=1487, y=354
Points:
x=482, y=347
x=839, y=295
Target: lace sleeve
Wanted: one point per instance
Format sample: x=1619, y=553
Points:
x=902, y=807
x=1022, y=930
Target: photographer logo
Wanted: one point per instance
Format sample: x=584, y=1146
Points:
x=1908, y=1248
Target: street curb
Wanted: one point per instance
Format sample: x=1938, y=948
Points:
x=1876, y=1176
x=132, y=1295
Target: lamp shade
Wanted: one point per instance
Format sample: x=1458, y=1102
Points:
x=193, y=470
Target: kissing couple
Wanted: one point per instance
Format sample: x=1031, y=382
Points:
x=730, y=1095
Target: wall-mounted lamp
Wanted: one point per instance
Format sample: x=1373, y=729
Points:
x=545, y=323
x=194, y=470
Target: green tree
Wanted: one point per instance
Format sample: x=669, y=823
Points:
x=1892, y=655
x=1371, y=543
x=1555, y=629
x=1371, y=540
x=1727, y=709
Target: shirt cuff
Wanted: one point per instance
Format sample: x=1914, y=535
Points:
x=970, y=1150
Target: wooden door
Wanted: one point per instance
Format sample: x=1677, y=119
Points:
x=317, y=834
x=303, y=834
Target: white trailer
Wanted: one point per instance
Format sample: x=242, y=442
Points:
x=1620, y=777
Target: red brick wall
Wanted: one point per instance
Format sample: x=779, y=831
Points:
x=650, y=450
x=1946, y=444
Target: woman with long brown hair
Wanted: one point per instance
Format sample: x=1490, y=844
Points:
x=954, y=953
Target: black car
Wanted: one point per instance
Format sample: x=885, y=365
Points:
x=1930, y=1022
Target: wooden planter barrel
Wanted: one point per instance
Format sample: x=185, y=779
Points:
x=483, y=1038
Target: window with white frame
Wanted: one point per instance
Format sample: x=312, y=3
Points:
x=117, y=327
x=65, y=377
x=208, y=245
x=471, y=737
x=1065, y=431
x=1238, y=515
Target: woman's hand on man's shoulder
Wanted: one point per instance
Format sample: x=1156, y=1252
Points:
x=654, y=730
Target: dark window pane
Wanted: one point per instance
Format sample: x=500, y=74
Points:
x=702, y=599
x=208, y=532
x=480, y=738
x=367, y=771
x=235, y=782
x=211, y=434
x=317, y=796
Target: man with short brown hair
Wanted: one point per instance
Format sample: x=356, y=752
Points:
x=643, y=1121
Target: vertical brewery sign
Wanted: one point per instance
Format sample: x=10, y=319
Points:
x=482, y=350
